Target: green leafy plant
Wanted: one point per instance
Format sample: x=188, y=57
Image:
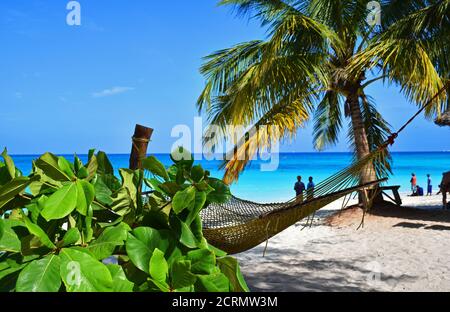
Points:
x=77, y=227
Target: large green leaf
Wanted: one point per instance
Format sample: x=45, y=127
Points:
x=44, y=185
x=203, y=261
x=181, y=275
x=81, y=272
x=66, y=167
x=103, y=247
x=104, y=166
x=85, y=196
x=92, y=167
x=139, y=252
x=36, y=230
x=131, y=183
x=183, y=199
x=122, y=202
x=48, y=163
x=216, y=282
x=9, y=164
x=71, y=237
x=88, y=231
x=197, y=174
x=172, y=172
x=102, y=192
x=217, y=251
x=34, y=209
x=9, y=240
x=186, y=236
x=230, y=267
x=120, y=281
x=5, y=176
x=221, y=193
x=77, y=164
x=61, y=203
x=153, y=165
x=2, y=228
x=40, y=276
x=170, y=188
x=141, y=244
x=196, y=206
x=10, y=190
x=8, y=277
x=159, y=269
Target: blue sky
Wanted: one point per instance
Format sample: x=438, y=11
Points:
x=66, y=89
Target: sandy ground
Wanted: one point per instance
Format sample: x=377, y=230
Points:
x=398, y=249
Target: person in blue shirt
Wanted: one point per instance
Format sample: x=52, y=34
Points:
x=299, y=188
x=430, y=185
x=310, y=188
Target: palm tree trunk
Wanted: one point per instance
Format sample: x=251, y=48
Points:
x=361, y=144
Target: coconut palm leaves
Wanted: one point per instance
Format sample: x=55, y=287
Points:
x=413, y=49
x=328, y=121
x=314, y=64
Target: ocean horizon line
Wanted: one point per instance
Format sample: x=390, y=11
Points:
x=281, y=153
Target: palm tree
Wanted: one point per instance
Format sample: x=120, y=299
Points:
x=314, y=64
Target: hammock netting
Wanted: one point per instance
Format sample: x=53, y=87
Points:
x=240, y=225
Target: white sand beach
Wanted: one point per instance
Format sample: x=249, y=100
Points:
x=399, y=249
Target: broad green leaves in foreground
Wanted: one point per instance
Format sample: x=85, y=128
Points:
x=41, y=276
x=81, y=272
x=61, y=203
x=9, y=241
x=82, y=229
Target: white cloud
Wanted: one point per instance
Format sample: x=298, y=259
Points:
x=112, y=91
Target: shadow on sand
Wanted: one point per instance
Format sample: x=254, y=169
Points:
x=329, y=275
x=411, y=214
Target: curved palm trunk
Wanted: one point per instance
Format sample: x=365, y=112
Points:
x=361, y=144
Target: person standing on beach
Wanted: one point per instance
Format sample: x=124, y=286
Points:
x=445, y=188
x=310, y=188
x=413, y=183
x=299, y=188
x=429, y=185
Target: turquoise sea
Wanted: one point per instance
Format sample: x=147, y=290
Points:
x=278, y=185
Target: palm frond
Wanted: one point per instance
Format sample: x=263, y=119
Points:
x=327, y=121
x=395, y=10
x=244, y=82
x=223, y=67
x=267, y=11
x=406, y=63
x=279, y=124
x=378, y=130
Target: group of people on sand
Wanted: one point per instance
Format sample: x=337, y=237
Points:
x=300, y=188
x=444, y=187
x=417, y=190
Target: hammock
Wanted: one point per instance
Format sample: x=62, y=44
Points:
x=240, y=225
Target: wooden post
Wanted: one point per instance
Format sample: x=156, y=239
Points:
x=140, y=140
